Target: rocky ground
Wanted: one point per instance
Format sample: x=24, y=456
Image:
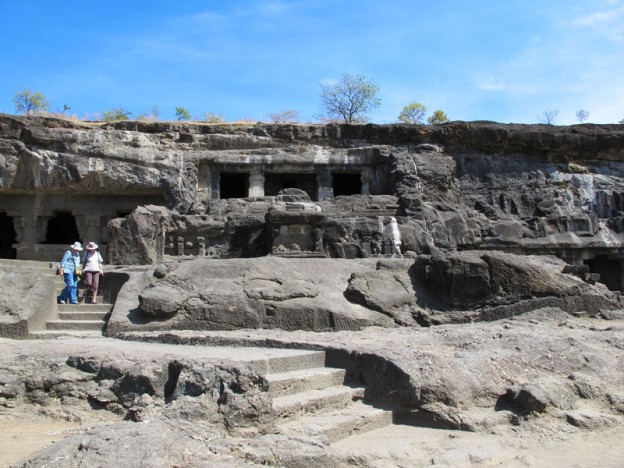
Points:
x=541, y=389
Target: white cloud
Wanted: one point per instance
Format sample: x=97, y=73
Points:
x=608, y=24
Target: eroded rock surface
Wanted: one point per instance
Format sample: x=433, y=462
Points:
x=543, y=374
x=327, y=294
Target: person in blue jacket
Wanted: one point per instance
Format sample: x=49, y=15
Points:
x=67, y=270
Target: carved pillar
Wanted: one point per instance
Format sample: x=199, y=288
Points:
x=256, y=184
x=181, y=246
x=201, y=241
x=204, y=181
x=325, y=184
x=215, y=189
x=366, y=178
x=91, y=229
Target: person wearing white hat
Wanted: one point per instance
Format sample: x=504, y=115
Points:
x=92, y=261
x=69, y=267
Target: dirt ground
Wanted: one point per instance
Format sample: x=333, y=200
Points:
x=408, y=446
x=397, y=446
x=21, y=438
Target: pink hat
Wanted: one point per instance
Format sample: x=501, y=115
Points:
x=92, y=246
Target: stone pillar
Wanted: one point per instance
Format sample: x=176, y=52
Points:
x=91, y=229
x=215, y=188
x=181, y=246
x=256, y=184
x=324, y=182
x=366, y=178
x=204, y=181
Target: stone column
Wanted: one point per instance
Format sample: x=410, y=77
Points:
x=366, y=178
x=91, y=229
x=204, y=181
x=215, y=189
x=324, y=181
x=256, y=184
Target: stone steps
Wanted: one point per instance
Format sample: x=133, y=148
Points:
x=315, y=401
x=95, y=315
x=75, y=324
x=302, y=360
x=53, y=334
x=352, y=420
x=289, y=383
x=76, y=320
x=80, y=317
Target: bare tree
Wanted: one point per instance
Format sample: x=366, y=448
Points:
x=287, y=116
x=548, y=116
x=582, y=115
x=349, y=99
x=212, y=117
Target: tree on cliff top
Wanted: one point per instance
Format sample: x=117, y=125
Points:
x=27, y=102
x=349, y=99
x=548, y=116
x=118, y=113
x=413, y=113
x=182, y=114
x=437, y=117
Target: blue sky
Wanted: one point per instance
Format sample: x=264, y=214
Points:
x=501, y=60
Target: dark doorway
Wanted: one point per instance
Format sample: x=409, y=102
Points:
x=62, y=229
x=233, y=185
x=275, y=182
x=8, y=237
x=609, y=269
x=347, y=184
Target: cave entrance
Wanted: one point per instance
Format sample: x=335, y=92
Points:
x=609, y=269
x=347, y=184
x=233, y=185
x=274, y=182
x=7, y=236
x=62, y=229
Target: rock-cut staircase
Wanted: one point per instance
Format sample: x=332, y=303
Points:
x=78, y=320
x=311, y=399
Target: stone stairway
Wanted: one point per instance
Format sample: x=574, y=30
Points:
x=312, y=399
x=79, y=320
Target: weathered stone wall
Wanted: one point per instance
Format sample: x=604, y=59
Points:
x=459, y=186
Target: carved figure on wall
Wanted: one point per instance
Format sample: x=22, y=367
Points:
x=396, y=249
x=376, y=244
x=318, y=240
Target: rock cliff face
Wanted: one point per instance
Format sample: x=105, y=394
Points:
x=153, y=193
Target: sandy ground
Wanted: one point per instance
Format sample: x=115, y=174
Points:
x=21, y=438
x=408, y=446
x=396, y=446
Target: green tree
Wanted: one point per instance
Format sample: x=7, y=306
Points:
x=621, y=122
x=582, y=115
x=413, y=113
x=27, y=102
x=287, y=116
x=349, y=99
x=118, y=113
x=182, y=114
x=437, y=118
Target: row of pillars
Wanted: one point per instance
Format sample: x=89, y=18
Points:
x=209, y=178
